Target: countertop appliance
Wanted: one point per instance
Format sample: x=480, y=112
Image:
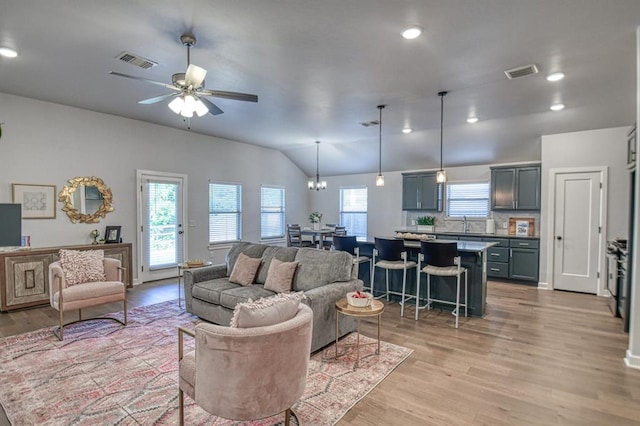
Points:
x=491, y=226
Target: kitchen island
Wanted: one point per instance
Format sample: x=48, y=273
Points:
x=474, y=258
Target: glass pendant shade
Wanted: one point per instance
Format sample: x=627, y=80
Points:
x=176, y=104
x=187, y=105
x=441, y=176
x=201, y=108
x=380, y=180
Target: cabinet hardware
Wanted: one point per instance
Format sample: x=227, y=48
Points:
x=494, y=269
x=524, y=244
x=495, y=254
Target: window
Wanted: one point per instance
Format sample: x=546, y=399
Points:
x=271, y=212
x=469, y=199
x=225, y=214
x=353, y=211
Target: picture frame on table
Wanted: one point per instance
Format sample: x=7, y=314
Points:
x=112, y=234
x=38, y=201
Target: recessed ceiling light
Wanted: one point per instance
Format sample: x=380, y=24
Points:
x=557, y=107
x=412, y=32
x=407, y=130
x=472, y=120
x=8, y=53
x=556, y=76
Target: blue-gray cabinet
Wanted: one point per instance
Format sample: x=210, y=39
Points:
x=515, y=188
x=421, y=191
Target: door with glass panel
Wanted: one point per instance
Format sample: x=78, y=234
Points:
x=161, y=225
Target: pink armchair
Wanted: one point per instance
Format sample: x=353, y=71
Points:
x=85, y=295
x=247, y=373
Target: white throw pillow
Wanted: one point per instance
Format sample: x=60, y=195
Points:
x=82, y=266
x=266, y=311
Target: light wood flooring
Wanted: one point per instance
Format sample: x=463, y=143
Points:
x=537, y=358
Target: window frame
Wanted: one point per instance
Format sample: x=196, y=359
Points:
x=359, y=236
x=237, y=212
x=468, y=182
x=282, y=212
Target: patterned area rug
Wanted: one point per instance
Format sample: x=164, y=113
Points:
x=106, y=374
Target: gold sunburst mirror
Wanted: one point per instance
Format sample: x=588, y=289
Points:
x=86, y=199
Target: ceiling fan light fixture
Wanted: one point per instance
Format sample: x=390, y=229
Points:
x=201, y=108
x=556, y=76
x=176, y=105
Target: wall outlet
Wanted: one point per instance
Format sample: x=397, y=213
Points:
x=505, y=225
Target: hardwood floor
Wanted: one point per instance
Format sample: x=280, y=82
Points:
x=537, y=358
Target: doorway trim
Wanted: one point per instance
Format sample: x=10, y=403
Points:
x=604, y=178
x=140, y=215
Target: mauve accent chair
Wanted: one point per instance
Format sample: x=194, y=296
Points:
x=246, y=373
x=86, y=295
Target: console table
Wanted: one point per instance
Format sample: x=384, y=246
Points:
x=24, y=274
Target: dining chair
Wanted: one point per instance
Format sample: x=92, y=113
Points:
x=294, y=237
x=391, y=254
x=441, y=259
x=350, y=245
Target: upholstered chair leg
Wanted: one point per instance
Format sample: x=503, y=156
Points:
x=373, y=274
x=387, y=276
x=125, y=311
x=181, y=406
x=287, y=415
x=79, y=314
x=61, y=337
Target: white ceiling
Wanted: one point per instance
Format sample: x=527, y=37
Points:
x=321, y=67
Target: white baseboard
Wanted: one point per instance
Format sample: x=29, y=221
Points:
x=544, y=286
x=632, y=361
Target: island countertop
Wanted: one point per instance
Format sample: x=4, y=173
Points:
x=498, y=234
x=463, y=246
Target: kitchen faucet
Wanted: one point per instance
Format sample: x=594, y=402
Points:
x=465, y=225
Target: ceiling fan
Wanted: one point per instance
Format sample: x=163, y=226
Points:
x=188, y=89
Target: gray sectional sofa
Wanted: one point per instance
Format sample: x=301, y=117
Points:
x=324, y=276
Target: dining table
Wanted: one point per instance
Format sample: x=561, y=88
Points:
x=319, y=235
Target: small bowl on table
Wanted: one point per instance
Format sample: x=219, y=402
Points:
x=359, y=302
x=194, y=263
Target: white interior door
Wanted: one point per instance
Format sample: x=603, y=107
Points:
x=161, y=211
x=577, y=225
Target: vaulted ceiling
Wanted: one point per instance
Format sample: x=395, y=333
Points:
x=320, y=68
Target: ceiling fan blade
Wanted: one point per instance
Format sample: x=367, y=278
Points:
x=230, y=95
x=194, y=76
x=133, y=77
x=157, y=99
x=213, y=108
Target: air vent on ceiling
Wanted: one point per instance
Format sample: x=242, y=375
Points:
x=370, y=123
x=521, y=71
x=136, y=60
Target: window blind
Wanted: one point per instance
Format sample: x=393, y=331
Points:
x=468, y=199
x=353, y=211
x=271, y=212
x=225, y=213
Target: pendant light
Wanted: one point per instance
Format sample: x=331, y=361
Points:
x=380, y=178
x=318, y=184
x=441, y=175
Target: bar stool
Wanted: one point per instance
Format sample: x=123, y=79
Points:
x=390, y=254
x=441, y=259
x=350, y=245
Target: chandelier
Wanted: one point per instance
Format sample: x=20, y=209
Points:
x=317, y=184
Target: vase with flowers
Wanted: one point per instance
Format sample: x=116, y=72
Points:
x=315, y=219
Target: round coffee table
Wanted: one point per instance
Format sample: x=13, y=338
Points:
x=185, y=265
x=374, y=310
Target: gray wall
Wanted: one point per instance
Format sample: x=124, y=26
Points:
x=45, y=143
x=595, y=148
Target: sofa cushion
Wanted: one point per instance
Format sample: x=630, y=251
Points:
x=280, y=277
x=285, y=254
x=250, y=249
x=319, y=267
x=231, y=297
x=82, y=266
x=209, y=291
x=245, y=269
x=266, y=311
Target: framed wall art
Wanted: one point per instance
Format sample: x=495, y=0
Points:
x=38, y=201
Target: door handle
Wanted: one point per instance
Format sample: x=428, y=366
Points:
x=180, y=232
x=559, y=238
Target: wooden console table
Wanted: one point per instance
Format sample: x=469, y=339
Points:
x=24, y=274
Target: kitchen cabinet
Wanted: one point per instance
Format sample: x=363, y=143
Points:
x=524, y=259
x=421, y=191
x=515, y=188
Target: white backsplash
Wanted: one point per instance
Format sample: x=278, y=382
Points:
x=443, y=224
